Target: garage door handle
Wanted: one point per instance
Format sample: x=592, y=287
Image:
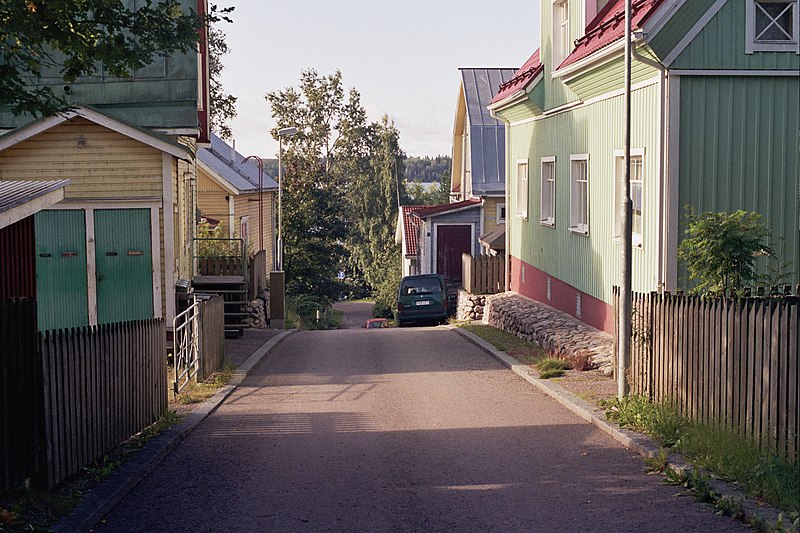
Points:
x=135, y=252
x=45, y=255
x=69, y=254
x=111, y=254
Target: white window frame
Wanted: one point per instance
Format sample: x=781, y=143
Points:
x=752, y=45
x=522, y=180
x=500, y=215
x=549, y=182
x=576, y=225
x=637, y=238
x=561, y=41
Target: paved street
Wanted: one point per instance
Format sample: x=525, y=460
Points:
x=399, y=430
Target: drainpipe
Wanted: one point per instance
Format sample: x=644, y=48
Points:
x=625, y=304
x=507, y=135
x=639, y=35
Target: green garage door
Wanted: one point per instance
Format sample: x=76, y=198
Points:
x=61, y=285
x=123, y=259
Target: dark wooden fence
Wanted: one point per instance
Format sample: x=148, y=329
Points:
x=212, y=337
x=258, y=274
x=101, y=386
x=732, y=361
x=21, y=418
x=220, y=266
x=483, y=274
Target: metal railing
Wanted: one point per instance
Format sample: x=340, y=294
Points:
x=186, y=328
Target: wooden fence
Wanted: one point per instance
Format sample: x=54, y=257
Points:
x=258, y=274
x=732, y=361
x=212, y=337
x=220, y=266
x=21, y=419
x=483, y=274
x=101, y=386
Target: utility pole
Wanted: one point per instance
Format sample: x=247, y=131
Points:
x=625, y=329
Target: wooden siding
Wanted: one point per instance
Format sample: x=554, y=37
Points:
x=680, y=23
x=490, y=214
x=610, y=76
x=18, y=260
x=588, y=263
x=247, y=205
x=110, y=165
x=721, y=45
x=212, y=199
x=185, y=221
x=731, y=160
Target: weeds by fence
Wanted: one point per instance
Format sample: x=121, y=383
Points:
x=728, y=361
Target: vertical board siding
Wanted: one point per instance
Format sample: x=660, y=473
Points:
x=110, y=165
x=18, y=260
x=212, y=337
x=679, y=24
x=247, y=205
x=101, y=386
x=483, y=274
x=732, y=362
x=588, y=263
x=743, y=160
x=21, y=420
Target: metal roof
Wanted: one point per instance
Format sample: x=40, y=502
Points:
x=228, y=164
x=14, y=194
x=480, y=85
x=532, y=68
x=487, y=140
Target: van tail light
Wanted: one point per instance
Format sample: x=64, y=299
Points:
x=399, y=307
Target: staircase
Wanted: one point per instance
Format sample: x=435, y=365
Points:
x=233, y=290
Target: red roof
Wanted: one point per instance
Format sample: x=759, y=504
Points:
x=521, y=78
x=410, y=225
x=609, y=26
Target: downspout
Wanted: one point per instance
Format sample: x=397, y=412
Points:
x=638, y=35
x=507, y=135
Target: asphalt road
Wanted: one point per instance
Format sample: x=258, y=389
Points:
x=400, y=430
x=355, y=314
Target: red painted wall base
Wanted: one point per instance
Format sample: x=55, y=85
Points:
x=538, y=285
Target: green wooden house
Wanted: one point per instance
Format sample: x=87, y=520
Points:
x=716, y=122
x=113, y=249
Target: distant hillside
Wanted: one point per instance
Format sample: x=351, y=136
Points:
x=427, y=169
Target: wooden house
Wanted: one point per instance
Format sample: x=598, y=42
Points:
x=228, y=193
x=715, y=114
x=128, y=147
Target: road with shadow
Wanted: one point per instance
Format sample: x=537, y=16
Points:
x=400, y=430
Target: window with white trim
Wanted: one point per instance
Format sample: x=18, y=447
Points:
x=547, y=208
x=637, y=193
x=501, y=214
x=772, y=26
x=522, y=188
x=579, y=194
x=561, y=41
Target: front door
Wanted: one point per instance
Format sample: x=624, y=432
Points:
x=123, y=259
x=451, y=242
x=61, y=282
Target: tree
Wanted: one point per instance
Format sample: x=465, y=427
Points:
x=223, y=105
x=73, y=38
x=373, y=199
x=425, y=194
x=330, y=142
x=720, y=249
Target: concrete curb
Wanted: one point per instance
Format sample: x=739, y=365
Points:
x=637, y=442
x=105, y=496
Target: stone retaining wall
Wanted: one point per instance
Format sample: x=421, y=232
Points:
x=470, y=306
x=561, y=335
x=258, y=312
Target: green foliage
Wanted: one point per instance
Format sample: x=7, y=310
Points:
x=720, y=249
x=223, y=105
x=714, y=447
x=421, y=194
x=219, y=245
x=70, y=39
x=427, y=169
x=552, y=368
x=301, y=311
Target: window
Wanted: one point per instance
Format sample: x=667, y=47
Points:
x=561, y=42
x=547, y=211
x=501, y=214
x=522, y=188
x=579, y=194
x=772, y=26
x=637, y=193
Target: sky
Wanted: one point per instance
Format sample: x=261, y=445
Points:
x=401, y=55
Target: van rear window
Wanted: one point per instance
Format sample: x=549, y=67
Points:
x=421, y=286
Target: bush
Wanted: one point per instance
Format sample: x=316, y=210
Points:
x=382, y=310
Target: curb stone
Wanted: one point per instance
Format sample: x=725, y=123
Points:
x=637, y=442
x=102, y=499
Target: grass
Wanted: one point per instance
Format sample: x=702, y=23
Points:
x=199, y=392
x=715, y=448
x=523, y=351
x=552, y=368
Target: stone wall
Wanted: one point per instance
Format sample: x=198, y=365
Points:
x=559, y=334
x=470, y=306
x=258, y=312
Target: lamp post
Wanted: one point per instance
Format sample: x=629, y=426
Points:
x=283, y=132
x=625, y=318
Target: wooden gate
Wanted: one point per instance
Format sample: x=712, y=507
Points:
x=451, y=242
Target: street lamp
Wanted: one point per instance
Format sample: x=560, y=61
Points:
x=283, y=132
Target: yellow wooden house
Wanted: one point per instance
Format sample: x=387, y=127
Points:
x=228, y=194
x=114, y=247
